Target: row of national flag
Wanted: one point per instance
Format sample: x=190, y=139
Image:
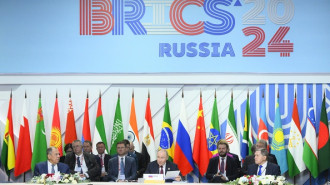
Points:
x=311, y=152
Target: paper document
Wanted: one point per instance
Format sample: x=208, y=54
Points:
x=172, y=174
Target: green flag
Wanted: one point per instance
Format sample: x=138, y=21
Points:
x=99, y=131
x=247, y=133
x=40, y=143
x=117, y=130
x=324, y=144
x=166, y=138
x=214, y=134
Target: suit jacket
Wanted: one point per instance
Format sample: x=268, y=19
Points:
x=130, y=168
x=250, y=160
x=142, y=164
x=42, y=168
x=232, y=170
x=271, y=169
x=153, y=168
x=233, y=156
x=92, y=166
x=106, y=159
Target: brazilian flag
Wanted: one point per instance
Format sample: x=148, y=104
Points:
x=166, y=138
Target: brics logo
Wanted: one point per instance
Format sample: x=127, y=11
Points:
x=100, y=17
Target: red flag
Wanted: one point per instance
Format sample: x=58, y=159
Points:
x=86, y=131
x=24, y=151
x=70, y=130
x=201, y=154
x=55, y=136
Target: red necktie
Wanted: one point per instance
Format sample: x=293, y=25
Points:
x=222, y=165
x=101, y=160
x=161, y=170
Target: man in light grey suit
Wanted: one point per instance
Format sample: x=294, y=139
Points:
x=122, y=167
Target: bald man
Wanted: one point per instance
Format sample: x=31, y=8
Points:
x=162, y=165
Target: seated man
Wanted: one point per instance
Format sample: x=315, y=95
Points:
x=250, y=159
x=122, y=167
x=223, y=168
x=52, y=165
x=262, y=166
x=102, y=159
x=162, y=165
x=83, y=162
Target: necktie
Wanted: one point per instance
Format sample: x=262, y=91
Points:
x=222, y=165
x=78, y=162
x=53, y=168
x=122, y=167
x=259, y=171
x=161, y=170
x=101, y=160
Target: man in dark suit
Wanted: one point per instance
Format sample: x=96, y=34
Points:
x=223, y=168
x=82, y=162
x=102, y=158
x=52, y=165
x=262, y=166
x=261, y=144
x=142, y=163
x=122, y=167
x=234, y=156
x=162, y=165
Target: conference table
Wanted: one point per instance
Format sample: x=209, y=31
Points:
x=104, y=183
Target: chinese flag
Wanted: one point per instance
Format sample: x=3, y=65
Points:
x=201, y=154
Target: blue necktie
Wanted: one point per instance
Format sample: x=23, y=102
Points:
x=53, y=168
x=78, y=162
x=259, y=171
x=122, y=167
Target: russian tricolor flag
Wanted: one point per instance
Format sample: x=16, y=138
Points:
x=183, y=153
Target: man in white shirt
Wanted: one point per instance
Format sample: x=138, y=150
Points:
x=83, y=162
x=52, y=165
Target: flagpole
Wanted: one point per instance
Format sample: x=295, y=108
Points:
x=11, y=95
x=310, y=178
x=199, y=174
